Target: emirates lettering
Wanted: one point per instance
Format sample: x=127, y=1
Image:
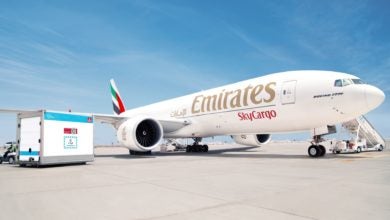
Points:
x=250, y=95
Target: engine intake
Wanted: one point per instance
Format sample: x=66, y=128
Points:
x=148, y=133
x=255, y=140
x=140, y=134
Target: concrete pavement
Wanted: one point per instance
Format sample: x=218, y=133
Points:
x=277, y=181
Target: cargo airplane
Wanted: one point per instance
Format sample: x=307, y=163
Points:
x=249, y=111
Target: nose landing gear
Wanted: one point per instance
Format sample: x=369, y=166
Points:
x=315, y=149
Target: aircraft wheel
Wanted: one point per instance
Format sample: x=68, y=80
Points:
x=313, y=151
x=322, y=151
x=133, y=152
x=147, y=153
x=380, y=148
x=206, y=148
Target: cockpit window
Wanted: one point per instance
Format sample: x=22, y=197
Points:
x=346, y=82
x=357, y=81
x=338, y=83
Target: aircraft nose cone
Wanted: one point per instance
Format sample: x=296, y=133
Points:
x=374, y=97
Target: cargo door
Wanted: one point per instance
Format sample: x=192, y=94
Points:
x=288, y=92
x=29, y=146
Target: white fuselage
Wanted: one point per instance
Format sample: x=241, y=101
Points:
x=276, y=103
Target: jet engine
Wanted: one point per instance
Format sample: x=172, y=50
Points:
x=140, y=134
x=255, y=140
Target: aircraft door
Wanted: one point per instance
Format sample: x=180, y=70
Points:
x=288, y=92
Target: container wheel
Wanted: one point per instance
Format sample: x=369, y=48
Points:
x=11, y=160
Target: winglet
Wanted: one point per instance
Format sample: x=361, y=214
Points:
x=117, y=102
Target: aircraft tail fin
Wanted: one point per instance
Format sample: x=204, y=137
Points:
x=117, y=102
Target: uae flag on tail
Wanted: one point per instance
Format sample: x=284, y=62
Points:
x=117, y=102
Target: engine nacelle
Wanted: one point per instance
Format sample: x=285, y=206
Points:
x=140, y=134
x=255, y=140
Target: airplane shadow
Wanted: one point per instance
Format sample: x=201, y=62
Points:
x=239, y=152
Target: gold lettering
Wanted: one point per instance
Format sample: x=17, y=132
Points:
x=194, y=111
x=235, y=102
x=245, y=99
x=233, y=99
x=220, y=98
x=255, y=93
x=225, y=99
x=207, y=101
x=270, y=91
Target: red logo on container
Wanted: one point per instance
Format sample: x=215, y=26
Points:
x=70, y=130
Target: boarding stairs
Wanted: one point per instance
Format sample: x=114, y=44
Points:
x=361, y=127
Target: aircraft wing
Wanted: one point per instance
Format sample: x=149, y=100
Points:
x=16, y=111
x=108, y=119
x=173, y=125
x=169, y=125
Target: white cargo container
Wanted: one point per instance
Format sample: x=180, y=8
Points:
x=48, y=137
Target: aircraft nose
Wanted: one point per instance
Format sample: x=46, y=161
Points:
x=374, y=97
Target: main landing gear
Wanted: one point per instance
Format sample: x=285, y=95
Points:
x=138, y=153
x=315, y=149
x=196, y=147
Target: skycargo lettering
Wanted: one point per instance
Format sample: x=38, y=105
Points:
x=250, y=95
x=255, y=115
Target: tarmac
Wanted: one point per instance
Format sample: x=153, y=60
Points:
x=277, y=181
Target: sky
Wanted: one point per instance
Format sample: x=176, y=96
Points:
x=60, y=55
